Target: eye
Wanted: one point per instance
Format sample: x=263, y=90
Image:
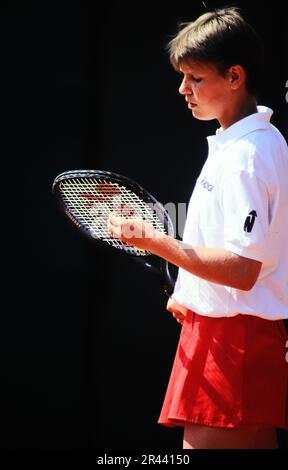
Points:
x=196, y=80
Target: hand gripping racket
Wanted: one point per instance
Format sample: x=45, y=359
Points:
x=87, y=197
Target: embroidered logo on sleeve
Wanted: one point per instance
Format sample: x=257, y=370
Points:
x=249, y=222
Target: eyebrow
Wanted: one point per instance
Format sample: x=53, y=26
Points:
x=192, y=72
x=196, y=76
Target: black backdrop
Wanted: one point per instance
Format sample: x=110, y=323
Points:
x=86, y=343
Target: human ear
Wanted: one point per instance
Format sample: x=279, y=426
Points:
x=236, y=76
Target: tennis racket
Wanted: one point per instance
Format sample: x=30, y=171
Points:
x=87, y=197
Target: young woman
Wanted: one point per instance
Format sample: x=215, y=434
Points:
x=228, y=386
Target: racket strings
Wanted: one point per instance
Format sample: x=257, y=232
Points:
x=89, y=201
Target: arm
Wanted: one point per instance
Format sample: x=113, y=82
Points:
x=212, y=264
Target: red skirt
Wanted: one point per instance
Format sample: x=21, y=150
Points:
x=229, y=372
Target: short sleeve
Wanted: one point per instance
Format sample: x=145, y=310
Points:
x=245, y=205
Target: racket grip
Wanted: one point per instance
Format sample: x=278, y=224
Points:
x=168, y=281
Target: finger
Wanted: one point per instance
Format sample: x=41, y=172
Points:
x=170, y=307
x=114, y=230
x=177, y=315
x=113, y=218
x=179, y=320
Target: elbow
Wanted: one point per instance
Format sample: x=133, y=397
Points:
x=247, y=282
x=243, y=284
x=247, y=285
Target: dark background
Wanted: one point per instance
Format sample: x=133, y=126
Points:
x=86, y=343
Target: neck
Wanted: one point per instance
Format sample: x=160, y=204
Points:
x=239, y=111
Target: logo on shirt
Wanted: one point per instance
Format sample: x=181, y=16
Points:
x=249, y=222
x=206, y=184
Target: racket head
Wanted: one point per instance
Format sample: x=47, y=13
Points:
x=87, y=197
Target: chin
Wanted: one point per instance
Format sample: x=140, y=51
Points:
x=202, y=116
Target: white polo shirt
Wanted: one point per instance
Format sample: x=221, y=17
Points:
x=240, y=203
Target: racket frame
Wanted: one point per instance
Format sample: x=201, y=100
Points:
x=146, y=196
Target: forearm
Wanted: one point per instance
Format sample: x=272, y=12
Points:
x=212, y=264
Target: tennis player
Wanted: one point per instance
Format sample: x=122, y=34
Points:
x=228, y=385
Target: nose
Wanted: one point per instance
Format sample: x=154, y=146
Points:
x=184, y=88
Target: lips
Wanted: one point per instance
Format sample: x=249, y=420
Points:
x=191, y=105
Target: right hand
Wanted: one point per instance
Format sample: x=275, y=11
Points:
x=178, y=311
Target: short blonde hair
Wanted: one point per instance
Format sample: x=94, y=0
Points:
x=221, y=37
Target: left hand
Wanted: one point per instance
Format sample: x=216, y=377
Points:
x=178, y=311
x=133, y=231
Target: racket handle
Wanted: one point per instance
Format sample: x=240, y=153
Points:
x=161, y=271
x=168, y=281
